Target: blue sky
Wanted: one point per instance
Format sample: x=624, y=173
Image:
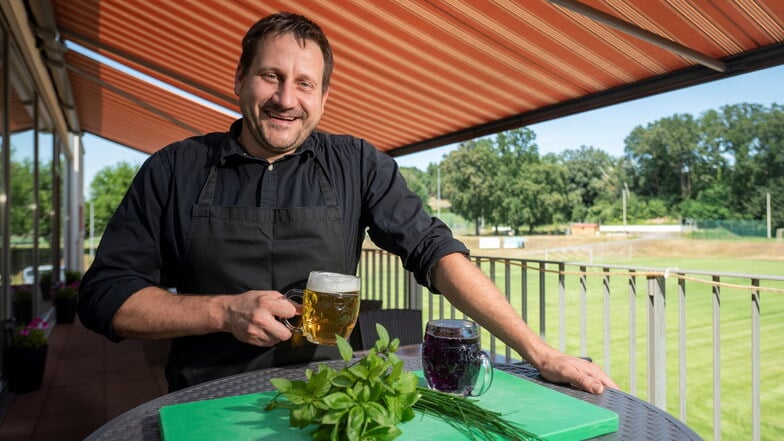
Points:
x=604, y=128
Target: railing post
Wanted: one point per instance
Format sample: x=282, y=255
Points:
x=583, y=311
x=414, y=291
x=682, y=349
x=542, y=300
x=508, y=295
x=632, y=333
x=562, y=306
x=716, y=358
x=657, y=350
x=755, y=362
x=607, y=315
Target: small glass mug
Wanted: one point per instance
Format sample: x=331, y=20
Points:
x=330, y=305
x=452, y=358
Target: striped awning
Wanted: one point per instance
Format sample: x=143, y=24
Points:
x=410, y=75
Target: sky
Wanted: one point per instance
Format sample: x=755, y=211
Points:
x=604, y=129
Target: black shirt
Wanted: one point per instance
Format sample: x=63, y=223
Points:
x=148, y=233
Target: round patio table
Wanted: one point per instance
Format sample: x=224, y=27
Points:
x=638, y=419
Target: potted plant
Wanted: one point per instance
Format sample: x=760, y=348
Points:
x=46, y=282
x=23, y=303
x=25, y=358
x=72, y=278
x=65, y=304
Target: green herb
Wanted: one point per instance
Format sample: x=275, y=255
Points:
x=367, y=399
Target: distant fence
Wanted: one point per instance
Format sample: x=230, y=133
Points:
x=743, y=228
x=651, y=229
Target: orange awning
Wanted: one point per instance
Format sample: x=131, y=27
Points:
x=410, y=75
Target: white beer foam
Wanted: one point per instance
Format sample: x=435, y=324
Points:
x=333, y=282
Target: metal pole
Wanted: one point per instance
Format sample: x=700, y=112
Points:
x=624, y=207
x=92, y=231
x=769, y=235
x=657, y=351
x=438, y=189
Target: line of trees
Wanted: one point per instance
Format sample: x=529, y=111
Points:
x=720, y=165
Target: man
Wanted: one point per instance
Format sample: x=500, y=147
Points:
x=231, y=220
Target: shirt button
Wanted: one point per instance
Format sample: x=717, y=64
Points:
x=270, y=167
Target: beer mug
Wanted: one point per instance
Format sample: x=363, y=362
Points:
x=330, y=305
x=452, y=358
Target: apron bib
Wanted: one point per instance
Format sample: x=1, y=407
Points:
x=231, y=250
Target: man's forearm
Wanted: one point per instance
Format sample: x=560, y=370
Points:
x=473, y=293
x=154, y=313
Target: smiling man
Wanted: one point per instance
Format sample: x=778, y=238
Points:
x=215, y=227
x=282, y=95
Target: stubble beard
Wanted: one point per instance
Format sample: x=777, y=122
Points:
x=265, y=135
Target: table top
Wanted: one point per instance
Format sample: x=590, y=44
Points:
x=637, y=418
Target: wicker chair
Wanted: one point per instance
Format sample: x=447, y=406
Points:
x=405, y=324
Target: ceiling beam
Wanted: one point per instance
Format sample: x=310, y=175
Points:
x=139, y=102
x=16, y=16
x=212, y=95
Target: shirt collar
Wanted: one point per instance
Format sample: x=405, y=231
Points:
x=232, y=149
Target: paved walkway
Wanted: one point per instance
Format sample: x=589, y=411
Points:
x=88, y=381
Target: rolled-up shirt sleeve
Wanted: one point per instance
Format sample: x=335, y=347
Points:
x=397, y=221
x=129, y=257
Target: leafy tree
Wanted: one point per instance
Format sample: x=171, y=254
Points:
x=752, y=137
x=533, y=190
x=417, y=181
x=21, y=219
x=536, y=196
x=667, y=153
x=769, y=153
x=107, y=190
x=468, y=175
x=590, y=174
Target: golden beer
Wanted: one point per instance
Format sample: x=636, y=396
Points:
x=330, y=306
x=325, y=314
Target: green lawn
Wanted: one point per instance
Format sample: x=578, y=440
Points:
x=734, y=328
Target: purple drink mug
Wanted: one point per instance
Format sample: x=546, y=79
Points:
x=453, y=360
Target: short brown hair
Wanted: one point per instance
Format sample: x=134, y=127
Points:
x=284, y=23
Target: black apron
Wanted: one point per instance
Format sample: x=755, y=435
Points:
x=231, y=250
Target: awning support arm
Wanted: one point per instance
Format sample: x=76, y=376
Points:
x=642, y=34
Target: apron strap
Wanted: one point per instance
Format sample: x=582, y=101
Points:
x=327, y=191
x=207, y=194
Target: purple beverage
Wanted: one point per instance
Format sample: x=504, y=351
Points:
x=452, y=358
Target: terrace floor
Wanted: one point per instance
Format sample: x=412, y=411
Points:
x=88, y=381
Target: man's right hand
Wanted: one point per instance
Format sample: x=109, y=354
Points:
x=254, y=317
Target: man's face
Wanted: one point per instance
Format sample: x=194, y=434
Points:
x=280, y=96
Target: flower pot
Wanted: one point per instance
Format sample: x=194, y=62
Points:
x=25, y=368
x=23, y=310
x=65, y=309
x=46, y=290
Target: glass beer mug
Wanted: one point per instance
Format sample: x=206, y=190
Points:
x=330, y=306
x=452, y=358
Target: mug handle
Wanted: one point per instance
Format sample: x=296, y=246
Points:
x=486, y=375
x=291, y=295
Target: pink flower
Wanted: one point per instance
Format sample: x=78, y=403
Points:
x=38, y=323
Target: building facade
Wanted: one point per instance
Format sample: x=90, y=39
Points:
x=41, y=222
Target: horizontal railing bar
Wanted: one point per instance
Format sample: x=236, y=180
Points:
x=673, y=270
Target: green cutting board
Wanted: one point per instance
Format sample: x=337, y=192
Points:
x=547, y=413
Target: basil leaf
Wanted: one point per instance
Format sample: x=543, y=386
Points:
x=344, y=347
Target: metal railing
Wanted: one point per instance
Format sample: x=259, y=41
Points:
x=600, y=311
